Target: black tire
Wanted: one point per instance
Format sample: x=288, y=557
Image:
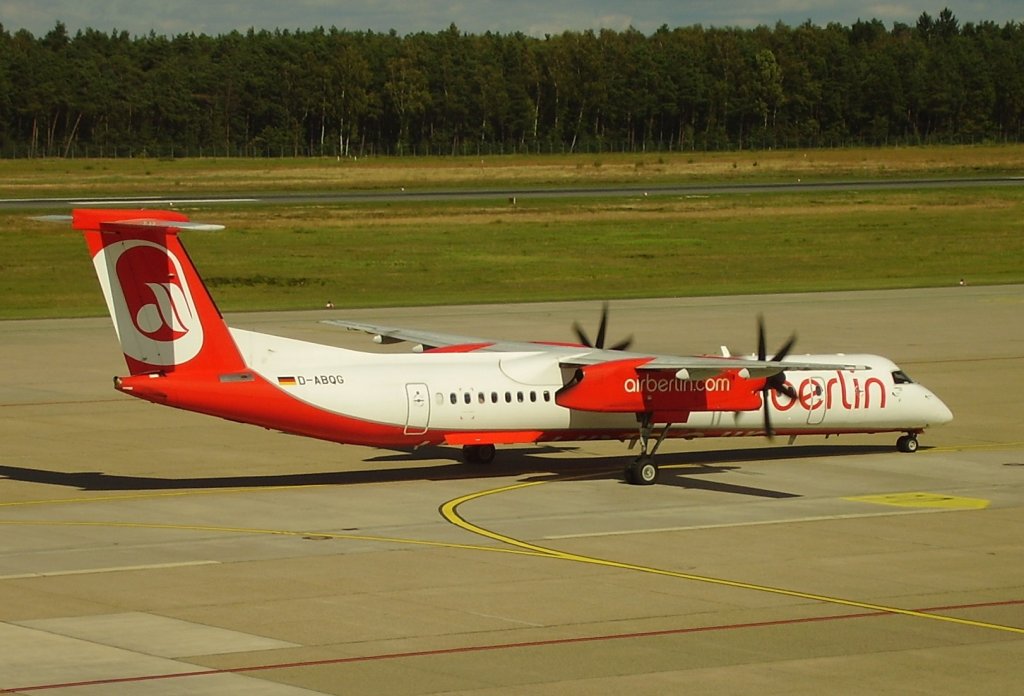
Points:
x=907, y=443
x=642, y=472
x=478, y=454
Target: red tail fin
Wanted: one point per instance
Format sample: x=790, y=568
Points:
x=165, y=318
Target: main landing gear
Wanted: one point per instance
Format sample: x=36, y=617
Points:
x=642, y=471
x=478, y=454
x=907, y=443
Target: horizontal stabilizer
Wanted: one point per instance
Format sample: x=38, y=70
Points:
x=97, y=215
x=180, y=225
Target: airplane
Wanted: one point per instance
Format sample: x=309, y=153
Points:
x=465, y=391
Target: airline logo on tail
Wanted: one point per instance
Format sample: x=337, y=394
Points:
x=147, y=290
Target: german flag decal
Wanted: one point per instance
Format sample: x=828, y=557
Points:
x=287, y=381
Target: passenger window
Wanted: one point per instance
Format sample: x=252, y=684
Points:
x=508, y=397
x=547, y=395
x=533, y=397
x=519, y=397
x=481, y=397
x=454, y=398
x=494, y=397
x=467, y=398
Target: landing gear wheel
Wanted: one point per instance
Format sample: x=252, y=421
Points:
x=642, y=471
x=907, y=443
x=478, y=454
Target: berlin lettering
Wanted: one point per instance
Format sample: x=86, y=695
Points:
x=841, y=391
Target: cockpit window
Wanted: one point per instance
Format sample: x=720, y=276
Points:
x=901, y=377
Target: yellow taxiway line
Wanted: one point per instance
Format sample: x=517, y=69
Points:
x=450, y=512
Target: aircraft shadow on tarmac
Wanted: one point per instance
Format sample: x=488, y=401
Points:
x=681, y=469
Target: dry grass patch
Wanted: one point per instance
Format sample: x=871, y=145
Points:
x=719, y=207
x=28, y=178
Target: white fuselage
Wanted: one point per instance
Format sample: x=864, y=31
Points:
x=444, y=393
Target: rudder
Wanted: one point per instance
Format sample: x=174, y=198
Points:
x=165, y=318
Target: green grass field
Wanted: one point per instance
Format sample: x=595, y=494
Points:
x=289, y=257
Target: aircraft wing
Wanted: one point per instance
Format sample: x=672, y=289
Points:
x=430, y=340
x=702, y=366
x=571, y=355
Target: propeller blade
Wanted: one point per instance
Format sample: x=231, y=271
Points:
x=602, y=328
x=776, y=382
x=784, y=387
x=784, y=350
x=762, y=352
x=769, y=431
x=602, y=332
x=624, y=344
x=582, y=335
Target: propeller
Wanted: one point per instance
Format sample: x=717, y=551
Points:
x=601, y=331
x=776, y=382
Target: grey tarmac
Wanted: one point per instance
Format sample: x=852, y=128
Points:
x=150, y=551
x=414, y=193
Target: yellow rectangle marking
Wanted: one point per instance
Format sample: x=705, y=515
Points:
x=919, y=499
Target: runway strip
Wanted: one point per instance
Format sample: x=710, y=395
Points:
x=492, y=647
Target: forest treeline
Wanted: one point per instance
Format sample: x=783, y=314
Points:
x=334, y=92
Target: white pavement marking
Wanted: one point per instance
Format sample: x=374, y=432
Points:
x=819, y=518
x=111, y=569
x=34, y=658
x=155, y=635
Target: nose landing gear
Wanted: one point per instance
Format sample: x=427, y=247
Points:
x=642, y=471
x=907, y=443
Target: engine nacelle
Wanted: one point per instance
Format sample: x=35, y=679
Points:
x=622, y=386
